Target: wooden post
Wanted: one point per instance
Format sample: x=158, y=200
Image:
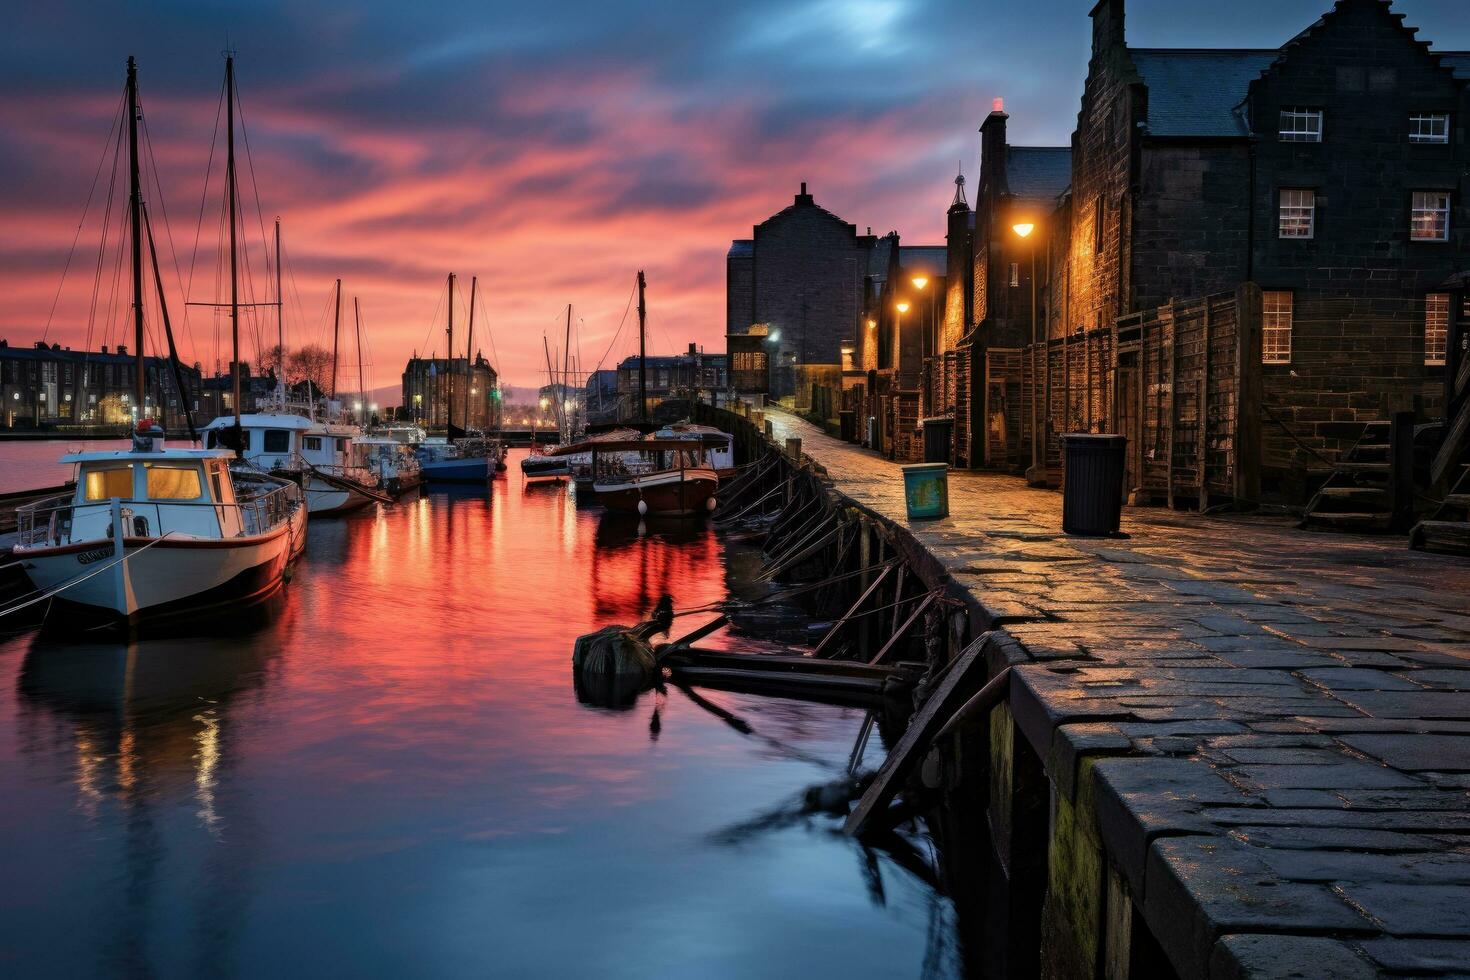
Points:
x=1173, y=329
x=1401, y=472
x=1246, y=439
x=1202, y=414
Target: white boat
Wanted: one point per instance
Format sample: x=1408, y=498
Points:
x=158, y=534
x=394, y=462
x=318, y=455
x=719, y=446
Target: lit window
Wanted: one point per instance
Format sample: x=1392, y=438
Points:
x=106, y=484
x=1015, y=273
x=1436, y=327
x=173, y=483
x=1276, y=327
x=1430, y=221
x=1301, y=125
x=1298, y=213
x=1429, y=127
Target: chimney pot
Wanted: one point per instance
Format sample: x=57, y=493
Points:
x=997, y=104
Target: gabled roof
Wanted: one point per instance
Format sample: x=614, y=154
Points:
x=1197, y=91
x=741, y=248
x=1038, y=173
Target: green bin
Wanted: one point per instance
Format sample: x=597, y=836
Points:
x=926, y=490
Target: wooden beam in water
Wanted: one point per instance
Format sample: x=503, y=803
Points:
x=949, y=694
x=873, y=587
x=898, y=634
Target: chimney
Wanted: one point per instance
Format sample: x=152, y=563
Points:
x=104, y=348
x=992, y=154
x=803, y=197
x=692, y=351
x=122, y=350
x=1107, y=25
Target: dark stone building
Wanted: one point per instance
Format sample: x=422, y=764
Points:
x=801, y=275
x=434, y=391
x=1331, y=171
x=47, y=385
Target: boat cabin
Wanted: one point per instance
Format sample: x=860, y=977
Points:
x=182, y=492
x=280, y=442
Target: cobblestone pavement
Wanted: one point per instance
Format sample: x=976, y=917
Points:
x=1276, y=723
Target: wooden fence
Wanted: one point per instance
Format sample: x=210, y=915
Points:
x=1171, y=379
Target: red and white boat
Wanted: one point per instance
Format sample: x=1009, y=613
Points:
x=653, y=477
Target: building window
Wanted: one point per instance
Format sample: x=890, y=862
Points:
x=1276, y=326
x=1015, y=273
x=1429, y=127
x=1430, y=221
x=1436, y=327
x=1301, y=125
x=1298, y=213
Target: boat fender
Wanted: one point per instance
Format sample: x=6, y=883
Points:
x=642, y=507
x=710, y=504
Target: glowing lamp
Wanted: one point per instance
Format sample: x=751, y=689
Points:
x=872, y=324
x=903, y=307
x=920, y=282
x=1023, y=229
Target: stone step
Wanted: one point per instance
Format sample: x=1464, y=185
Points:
x=1355, y=498
x=1451, y=536
x=1347, y=521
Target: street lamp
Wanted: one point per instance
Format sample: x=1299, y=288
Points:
x=919, y=283
x=1023, y=230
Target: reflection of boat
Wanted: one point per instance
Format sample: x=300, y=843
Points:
x=160, y=534
x=667, y=478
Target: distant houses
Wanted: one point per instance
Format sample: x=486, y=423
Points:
x=51, y=386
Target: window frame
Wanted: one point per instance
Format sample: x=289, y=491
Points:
x=1299, y=114
x=1310, y=211
x=1431, y=139
x=266, y=440
x=1277, y=353
x=1415, y=210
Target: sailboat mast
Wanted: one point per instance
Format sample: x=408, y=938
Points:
x=449, y=366
x=361, y=383
x=336, y=332
x=642, y=353
x=280, y=315
x=469, y=352
x=135, y=208
x=566, y=353
x=230, y=193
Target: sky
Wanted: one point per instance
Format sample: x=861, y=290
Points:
x=551, y=149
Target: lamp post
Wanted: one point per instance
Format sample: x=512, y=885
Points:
x=902, y=307
x=1023, y=229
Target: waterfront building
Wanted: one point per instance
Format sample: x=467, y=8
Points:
x=433, y=387
x=801, y=276
x=672, y=376
x=749, y=350
x=48, y=385
x=215, y=393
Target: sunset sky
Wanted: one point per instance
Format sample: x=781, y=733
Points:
x=550, y=148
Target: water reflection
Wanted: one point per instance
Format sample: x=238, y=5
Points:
x=395, y=776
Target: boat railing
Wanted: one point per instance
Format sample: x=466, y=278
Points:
x=51, y=521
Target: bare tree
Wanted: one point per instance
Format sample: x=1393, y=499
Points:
x=310, y=363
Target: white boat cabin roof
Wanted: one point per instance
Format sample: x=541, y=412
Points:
x=128, y=456
x=298, y=423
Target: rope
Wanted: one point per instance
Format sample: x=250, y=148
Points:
x=82, y=578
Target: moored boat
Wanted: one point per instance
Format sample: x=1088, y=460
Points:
x=157, y=534
x=649, y=476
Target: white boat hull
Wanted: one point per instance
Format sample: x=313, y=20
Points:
x=161, y=577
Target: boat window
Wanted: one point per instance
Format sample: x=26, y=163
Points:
x=219, y=493
x=277, y=441
x=311, y=443
x=341, y=445
x=105, y=484
x=173, y=482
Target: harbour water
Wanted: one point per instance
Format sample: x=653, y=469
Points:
x=394, y=776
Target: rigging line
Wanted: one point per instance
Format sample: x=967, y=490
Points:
x=168, y=231
x=102, y=241
x=86, y=206
x=199, y=225
x=619, y=331
x=433, y=321
x=490, y=332
x=250, y=166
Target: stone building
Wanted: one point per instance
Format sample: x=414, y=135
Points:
x=434, y=392
x=669, y=376
x=44, y=386
x=800, y=275
x=1329, y=171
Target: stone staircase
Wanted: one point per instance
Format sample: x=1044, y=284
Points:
x=1448, y=529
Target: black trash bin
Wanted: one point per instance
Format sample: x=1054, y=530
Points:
x=1092, y=483
x=938, y=434
x=847, y=426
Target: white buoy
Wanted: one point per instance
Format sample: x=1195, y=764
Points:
x=643, y=507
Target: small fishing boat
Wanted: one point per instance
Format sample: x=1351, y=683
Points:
x=317, y=455
x=158, y=534
x=671, y=477
x=443, y=461
x=397, y=468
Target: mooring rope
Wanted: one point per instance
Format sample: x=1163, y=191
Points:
x=82, y=578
